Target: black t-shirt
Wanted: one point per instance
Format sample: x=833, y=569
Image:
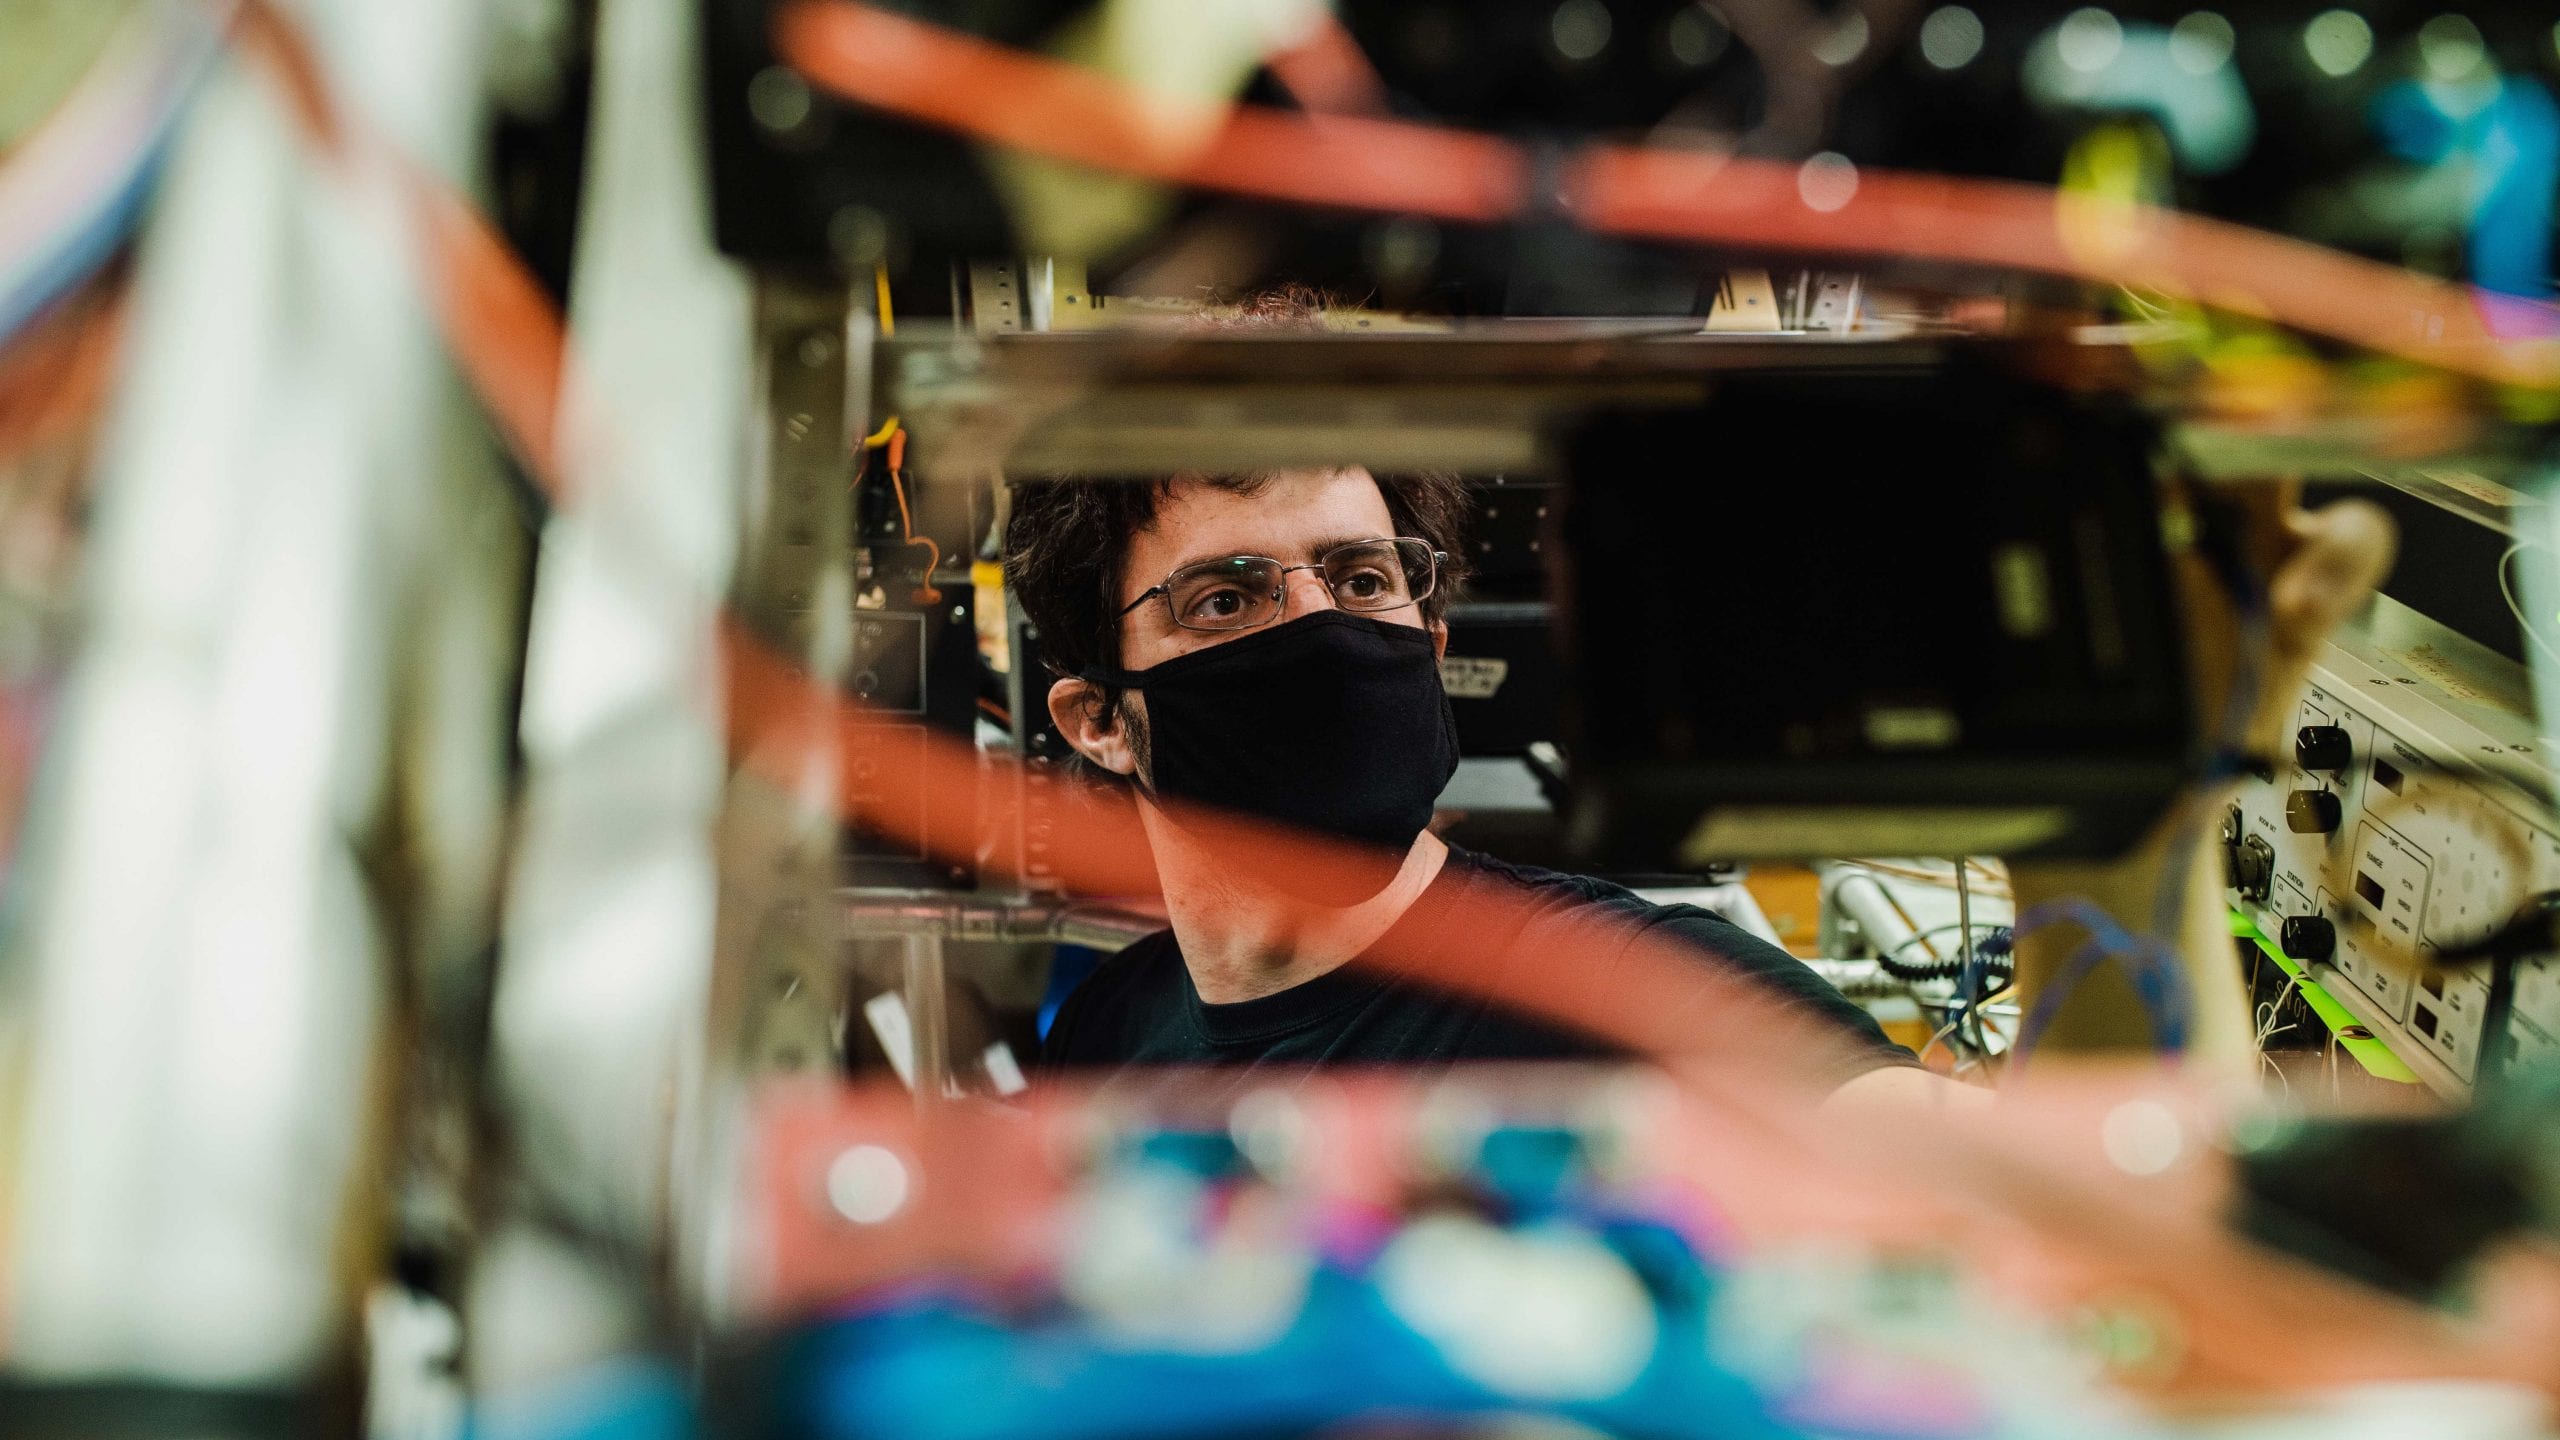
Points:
x=1141, y=1008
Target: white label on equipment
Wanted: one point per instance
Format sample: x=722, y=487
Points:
x=1003, y=1070
x=1472, y=677
x=887, y=1012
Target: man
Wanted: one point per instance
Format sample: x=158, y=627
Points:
x=1268, y=645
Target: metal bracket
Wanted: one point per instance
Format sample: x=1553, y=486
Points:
x=779, y=986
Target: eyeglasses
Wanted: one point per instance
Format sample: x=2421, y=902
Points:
x=1243, y=591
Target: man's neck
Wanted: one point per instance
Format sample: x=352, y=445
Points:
x=1243, y=941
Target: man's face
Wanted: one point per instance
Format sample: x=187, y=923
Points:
x=1294, y=519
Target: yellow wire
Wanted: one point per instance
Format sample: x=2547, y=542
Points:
x=888, y=326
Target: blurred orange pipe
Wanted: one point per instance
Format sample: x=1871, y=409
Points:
x=503, y=329
x=1028, y=102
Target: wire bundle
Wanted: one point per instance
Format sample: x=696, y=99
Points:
x=71, y=192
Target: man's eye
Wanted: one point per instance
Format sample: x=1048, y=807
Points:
x=1363, y=585
x=1219, y=605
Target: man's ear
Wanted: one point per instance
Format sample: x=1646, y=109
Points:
x=1091, y=726
x=1439, y=639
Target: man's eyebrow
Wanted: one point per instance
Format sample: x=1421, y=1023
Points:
x=1309, y=551
x=1209, y=556
x=1336, y=543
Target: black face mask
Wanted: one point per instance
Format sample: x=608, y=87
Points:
x=1335, y=723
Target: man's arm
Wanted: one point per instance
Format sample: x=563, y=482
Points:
x=1905, y=1087
x=1865, y=1056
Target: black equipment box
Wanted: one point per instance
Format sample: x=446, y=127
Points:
x=1500, y=674
x=1922, y=610
x=915, y=668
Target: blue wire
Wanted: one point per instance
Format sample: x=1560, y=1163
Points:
x=2151, y=961
x=2083, y=961
x=2160, y=984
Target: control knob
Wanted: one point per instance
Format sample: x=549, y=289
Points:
x=2312, y=812
x=2307, y=938
x=2323, y=747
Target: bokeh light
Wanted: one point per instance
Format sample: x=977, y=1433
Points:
x=1697, y=35
x=1952, y=36
x=2338, y=41
x=2450, y=47
x=2089, y=39
x=2202, y=43
x=1845, y=41
x=1827, y=181
x=1579, y=29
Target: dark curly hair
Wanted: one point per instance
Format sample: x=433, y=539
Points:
x=1066, y=550
x=1066, y=544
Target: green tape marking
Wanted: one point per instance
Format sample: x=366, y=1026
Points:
x=2373, y=1055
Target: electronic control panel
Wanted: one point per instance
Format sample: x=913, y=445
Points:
x=2408, y=815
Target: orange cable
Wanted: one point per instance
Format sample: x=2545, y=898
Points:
x=1326, y=71
x=1031, y=103
x=1028, y=102
x=927, y=593
x=1668, y=195
x=502, y=326
x=56, y=379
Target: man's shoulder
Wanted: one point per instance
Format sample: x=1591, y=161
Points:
x=1538, y=878
x=1564, y=893
x=1596, y=918
x=1141, y=964
x=1719, y=943
x=1125, y=993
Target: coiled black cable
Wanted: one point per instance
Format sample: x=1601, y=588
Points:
x=1991, y=952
